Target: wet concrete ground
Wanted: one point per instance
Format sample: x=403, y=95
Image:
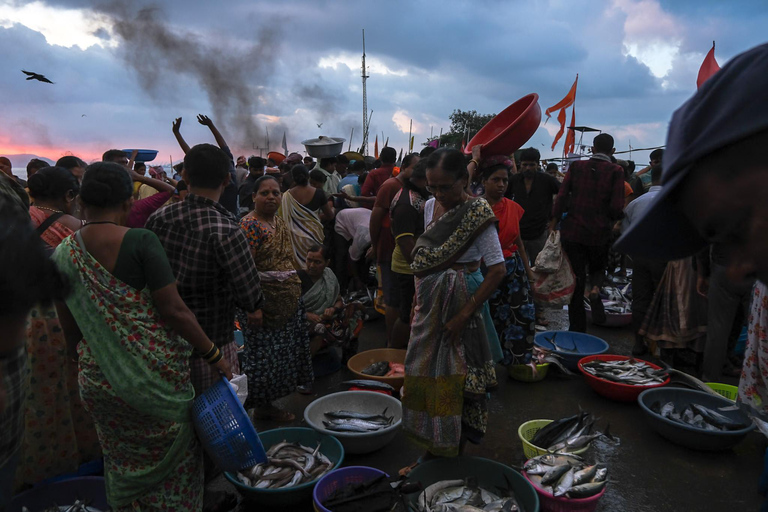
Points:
x=647, y=472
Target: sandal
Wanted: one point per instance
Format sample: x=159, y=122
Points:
x=274, y=414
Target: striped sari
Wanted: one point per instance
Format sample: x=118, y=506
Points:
x=446, y=383
x=304, y=226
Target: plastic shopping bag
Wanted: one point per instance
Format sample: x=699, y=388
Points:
x=548, y=260
x=240, y=384
x=556, y=288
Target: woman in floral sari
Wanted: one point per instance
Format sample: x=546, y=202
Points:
x=59, y=433
x=449, y=367
x=276, y=356
x=511, y=304
x=129, y=323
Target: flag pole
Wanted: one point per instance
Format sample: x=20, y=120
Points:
x=410, y=130
x=440, y=137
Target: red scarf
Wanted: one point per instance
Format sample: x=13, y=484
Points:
x=509, y=214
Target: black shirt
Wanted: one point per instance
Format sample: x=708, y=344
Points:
x=246, y=191
x=537, y=204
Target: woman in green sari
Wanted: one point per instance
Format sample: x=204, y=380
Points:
x=449, y=366
x=130, y=325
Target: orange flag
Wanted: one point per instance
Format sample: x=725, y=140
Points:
x=376, y=147
x=708, y=68
x=565, y=102
x=561, y=119
x=570, y=137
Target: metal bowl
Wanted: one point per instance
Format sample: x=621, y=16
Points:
x=360, y=401
x=324, y=147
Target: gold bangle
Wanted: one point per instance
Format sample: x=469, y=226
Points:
x=476, y=163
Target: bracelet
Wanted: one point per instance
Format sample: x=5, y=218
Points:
x=476, y=163
x=215, y=358
x=210, y=353
x=472, y=298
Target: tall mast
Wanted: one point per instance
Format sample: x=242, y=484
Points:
x=364, y=146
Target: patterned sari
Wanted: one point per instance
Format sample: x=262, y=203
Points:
x=134, y=380
x=304, y=227
x=59, y=434
x=446, y=384
x=276, y=356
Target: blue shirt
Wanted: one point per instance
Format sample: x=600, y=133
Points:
x=350, y=179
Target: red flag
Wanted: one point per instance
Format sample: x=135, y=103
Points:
x=570, y=137
x=565, y=102
x=376, y=147
x=561, y=119
x=708, y=68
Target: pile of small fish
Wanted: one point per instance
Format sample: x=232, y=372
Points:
x=627, y=371
x=377, y=495
x=697, y=416
x=568, y=434
x=541, y=355
x=77, y=506
x=566, y=475
x=385, y=369
x=466, y=496
x=357, y=422
x=289, y=464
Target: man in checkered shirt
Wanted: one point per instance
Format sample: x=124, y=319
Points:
x=210, y=256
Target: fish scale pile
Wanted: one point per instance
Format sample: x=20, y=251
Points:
x=567, y=434
x=697, y=416
x=626, y=371
x=566, y=475
x=289, y=464
x=357, y=422
x=466, y=496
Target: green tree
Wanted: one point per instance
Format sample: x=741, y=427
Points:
x=461, y=123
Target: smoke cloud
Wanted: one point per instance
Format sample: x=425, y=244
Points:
x=158, y=52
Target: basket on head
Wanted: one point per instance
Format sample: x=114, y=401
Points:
x=526, y=432
x=339, y=478
x=225, y=430
x=726, y=390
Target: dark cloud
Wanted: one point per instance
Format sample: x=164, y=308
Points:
x=196, y=56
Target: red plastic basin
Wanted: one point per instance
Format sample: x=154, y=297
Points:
x=510, y=129
x=550, y=503
x=615, y=390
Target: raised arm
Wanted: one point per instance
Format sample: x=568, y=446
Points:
x=179, y=138
x=158, y=185
x=207, y=121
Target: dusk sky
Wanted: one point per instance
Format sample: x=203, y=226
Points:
x=122, y=73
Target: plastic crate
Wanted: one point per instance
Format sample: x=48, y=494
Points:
x=225, y=430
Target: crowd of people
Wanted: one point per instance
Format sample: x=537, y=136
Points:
x=122, y=292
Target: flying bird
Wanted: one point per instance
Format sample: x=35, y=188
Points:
x=36, y=76
x=319, y=125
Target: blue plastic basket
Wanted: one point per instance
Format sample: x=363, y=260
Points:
x=225, y=430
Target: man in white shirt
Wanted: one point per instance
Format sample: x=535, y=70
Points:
x=646, y=273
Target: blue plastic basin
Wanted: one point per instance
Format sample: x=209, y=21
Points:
x=144, y=155
x=572, y=346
